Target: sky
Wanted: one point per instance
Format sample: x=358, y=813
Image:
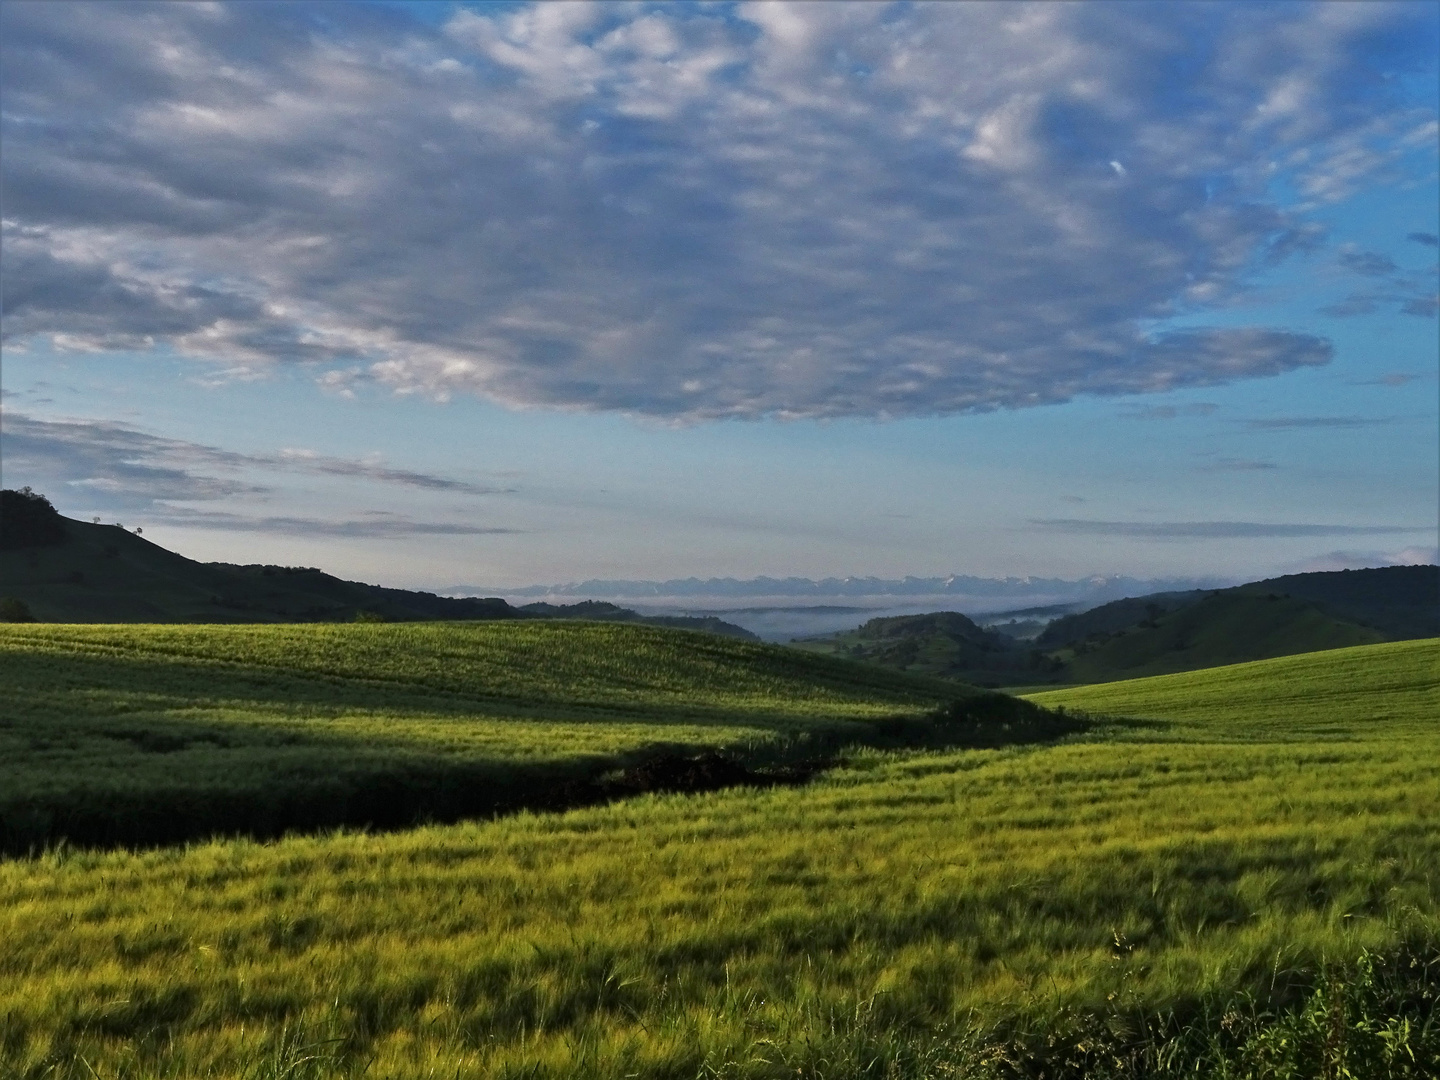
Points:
x=430, y=294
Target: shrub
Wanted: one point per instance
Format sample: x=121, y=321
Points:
x=13, y=610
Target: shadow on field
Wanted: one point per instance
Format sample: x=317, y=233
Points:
x=332, y=786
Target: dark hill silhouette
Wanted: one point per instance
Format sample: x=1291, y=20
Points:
x=1163, y=632
x=62, y=570
x=943, y=643
x=1399, y=601
x=28, y=520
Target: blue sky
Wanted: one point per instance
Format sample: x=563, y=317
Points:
x=502, y=294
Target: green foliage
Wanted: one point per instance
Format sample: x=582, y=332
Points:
x=1399, y=601
x=103, y=573
x=1113, y=618
x=1211, y=890
x=599, y=611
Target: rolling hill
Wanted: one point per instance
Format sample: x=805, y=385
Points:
x=69, y=571
x=1239, y=883
x=1161, y=632
x=1391, y=688
x=156, y=734
x=943, y=644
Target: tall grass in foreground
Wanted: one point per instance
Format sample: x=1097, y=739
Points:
x=1148, y=900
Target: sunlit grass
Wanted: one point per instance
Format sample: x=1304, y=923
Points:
x=125, y=733
x=910, y=897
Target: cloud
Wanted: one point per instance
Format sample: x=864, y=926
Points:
x=1409, y=292
x=689, y=211
x=1238, y=465
x=132, y=469
x=1368, y=263
x=1429, y=239
x=1280, y=423
x=375, y=526
x=1170, y=412
x=1211, y=530
x=1393, y=378
x=1354, y=304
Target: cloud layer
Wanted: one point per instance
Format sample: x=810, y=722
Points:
x=1214, y=530
x=690, y=212
x=119, y=468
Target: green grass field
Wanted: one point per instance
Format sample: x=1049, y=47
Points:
x=157, y=733
x=905, y=915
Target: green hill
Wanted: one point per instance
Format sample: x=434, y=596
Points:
x=1388, y=689
x=1114, y=617
x=149, y=734
x=70, y=571
x=1399, y=601
x=1161, y=632
x=943, y=644
x=1241, y=885
x=1225, y=628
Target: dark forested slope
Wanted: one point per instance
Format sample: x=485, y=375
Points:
x=62, y=570
x=1163, y=632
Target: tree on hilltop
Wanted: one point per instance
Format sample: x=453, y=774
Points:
x=28, y=520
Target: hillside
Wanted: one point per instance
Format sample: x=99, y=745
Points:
x=943, y=644
x=70, y=571
x=1398, y=602
x=1391, y=688
x=148, y=734
x=1225, y=628
x=1161, y=632
x=1200, y=893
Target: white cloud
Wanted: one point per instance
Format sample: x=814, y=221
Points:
x=684, y=211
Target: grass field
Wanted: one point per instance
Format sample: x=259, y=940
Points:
x=1385, y=691
x=141, y=734
x=902, y=913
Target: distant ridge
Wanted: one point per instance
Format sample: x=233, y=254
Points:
x=56, y=569
x=1162, y=632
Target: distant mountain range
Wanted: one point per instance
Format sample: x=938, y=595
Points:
x=800, y=589
x=782, y=609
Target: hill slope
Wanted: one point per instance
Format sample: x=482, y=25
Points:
x=1399, y=601
x=1162, y=632
x=1229, y=627
x=147, y=734
x=77, y=572
x=1389, y=688
x=1140, y=894
x=943, y=644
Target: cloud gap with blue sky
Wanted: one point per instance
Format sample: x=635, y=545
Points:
x=509, y=293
